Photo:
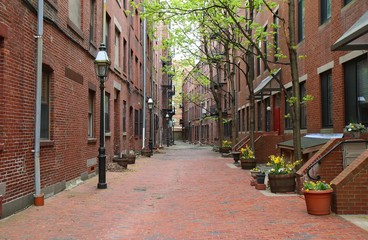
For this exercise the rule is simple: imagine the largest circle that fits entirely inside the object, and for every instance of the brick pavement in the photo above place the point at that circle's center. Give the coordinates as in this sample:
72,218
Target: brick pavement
187,193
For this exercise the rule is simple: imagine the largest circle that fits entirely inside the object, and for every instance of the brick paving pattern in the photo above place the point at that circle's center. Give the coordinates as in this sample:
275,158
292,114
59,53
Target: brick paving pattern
189,192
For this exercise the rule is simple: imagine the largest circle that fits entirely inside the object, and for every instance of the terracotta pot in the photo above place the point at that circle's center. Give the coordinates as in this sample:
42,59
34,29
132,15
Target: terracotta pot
248,163
282,183
318,202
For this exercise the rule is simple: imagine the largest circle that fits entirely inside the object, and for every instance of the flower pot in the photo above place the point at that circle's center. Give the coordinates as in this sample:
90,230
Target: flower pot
282,183
260,178
254,173
355,134
318,202
236,156
224,149
248,163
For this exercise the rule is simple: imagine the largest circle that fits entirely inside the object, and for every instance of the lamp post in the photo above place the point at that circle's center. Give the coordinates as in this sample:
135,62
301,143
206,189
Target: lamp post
150,108
168,129
102,64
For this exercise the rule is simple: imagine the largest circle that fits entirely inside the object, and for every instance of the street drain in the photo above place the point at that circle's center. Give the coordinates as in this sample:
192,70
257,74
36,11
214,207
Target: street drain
140,189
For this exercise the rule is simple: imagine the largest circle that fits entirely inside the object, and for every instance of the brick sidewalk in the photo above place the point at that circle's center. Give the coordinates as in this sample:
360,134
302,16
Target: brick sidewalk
187,193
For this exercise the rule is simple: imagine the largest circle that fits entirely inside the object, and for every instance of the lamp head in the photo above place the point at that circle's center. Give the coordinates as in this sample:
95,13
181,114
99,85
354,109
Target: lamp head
102,62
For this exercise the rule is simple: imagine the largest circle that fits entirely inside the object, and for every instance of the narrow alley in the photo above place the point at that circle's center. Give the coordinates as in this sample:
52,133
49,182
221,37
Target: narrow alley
185,192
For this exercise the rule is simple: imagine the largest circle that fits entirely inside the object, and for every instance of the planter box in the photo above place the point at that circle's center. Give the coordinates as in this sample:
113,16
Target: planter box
248,163
282,183
224,149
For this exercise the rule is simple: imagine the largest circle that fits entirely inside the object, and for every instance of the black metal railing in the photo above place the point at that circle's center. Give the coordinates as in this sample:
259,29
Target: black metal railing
328,152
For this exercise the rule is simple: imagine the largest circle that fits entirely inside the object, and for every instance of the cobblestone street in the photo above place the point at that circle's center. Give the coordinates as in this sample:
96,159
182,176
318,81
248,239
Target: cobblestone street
186,192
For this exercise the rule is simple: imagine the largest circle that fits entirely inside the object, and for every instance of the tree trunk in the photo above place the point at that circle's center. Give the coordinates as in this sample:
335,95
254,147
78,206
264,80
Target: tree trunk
295,81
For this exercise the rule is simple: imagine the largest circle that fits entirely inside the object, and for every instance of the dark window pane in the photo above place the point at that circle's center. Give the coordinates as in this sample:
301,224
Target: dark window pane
326,88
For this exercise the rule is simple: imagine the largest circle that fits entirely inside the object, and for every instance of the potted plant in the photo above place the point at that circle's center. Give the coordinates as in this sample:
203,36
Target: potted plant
225,147
236,156
253,173
247,159
282,174
355,129
317,197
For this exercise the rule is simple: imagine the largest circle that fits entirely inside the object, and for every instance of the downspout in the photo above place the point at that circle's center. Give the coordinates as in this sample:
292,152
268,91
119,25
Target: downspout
152,118
38,196
144,79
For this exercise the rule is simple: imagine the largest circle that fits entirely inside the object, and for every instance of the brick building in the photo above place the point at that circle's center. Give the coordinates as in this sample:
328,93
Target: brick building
70,92
336,79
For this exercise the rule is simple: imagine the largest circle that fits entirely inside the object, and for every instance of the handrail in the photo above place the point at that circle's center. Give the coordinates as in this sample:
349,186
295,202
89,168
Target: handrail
241,142
328,152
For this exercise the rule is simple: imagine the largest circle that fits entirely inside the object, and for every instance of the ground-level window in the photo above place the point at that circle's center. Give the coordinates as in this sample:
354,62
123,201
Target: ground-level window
356,90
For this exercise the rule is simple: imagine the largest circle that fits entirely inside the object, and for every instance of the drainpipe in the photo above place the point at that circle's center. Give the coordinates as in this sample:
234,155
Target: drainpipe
144,79
38,196
152,119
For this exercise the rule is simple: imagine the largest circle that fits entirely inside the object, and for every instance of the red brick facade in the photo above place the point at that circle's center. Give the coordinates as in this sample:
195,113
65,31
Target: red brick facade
68,59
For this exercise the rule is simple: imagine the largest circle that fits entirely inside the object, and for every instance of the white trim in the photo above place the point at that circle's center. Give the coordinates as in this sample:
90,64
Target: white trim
117,24
325,67
117,85
351,55
288,85
303,78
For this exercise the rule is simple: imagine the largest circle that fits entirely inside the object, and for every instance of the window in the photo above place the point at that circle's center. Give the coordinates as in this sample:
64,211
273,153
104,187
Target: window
288,120
125,4
259,116
303,108
276,35
125,56
107,112
356,90
239,121
346,2
265,43
124,116
45,106
326,97
243,120
136,123
325,10
91,106
259,59
301,23
74,10
92,20
140,122
116,49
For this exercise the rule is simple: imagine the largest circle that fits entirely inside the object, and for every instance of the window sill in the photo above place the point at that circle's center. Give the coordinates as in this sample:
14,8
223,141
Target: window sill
108,134
92,140
53,4
76,29
47,143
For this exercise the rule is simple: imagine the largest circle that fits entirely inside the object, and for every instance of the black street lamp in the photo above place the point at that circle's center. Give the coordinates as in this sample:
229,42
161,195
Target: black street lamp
102,64
168,130
150,108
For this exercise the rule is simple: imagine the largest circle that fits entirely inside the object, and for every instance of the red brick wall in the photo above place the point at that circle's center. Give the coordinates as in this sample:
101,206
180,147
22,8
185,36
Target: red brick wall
69,55
350,188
